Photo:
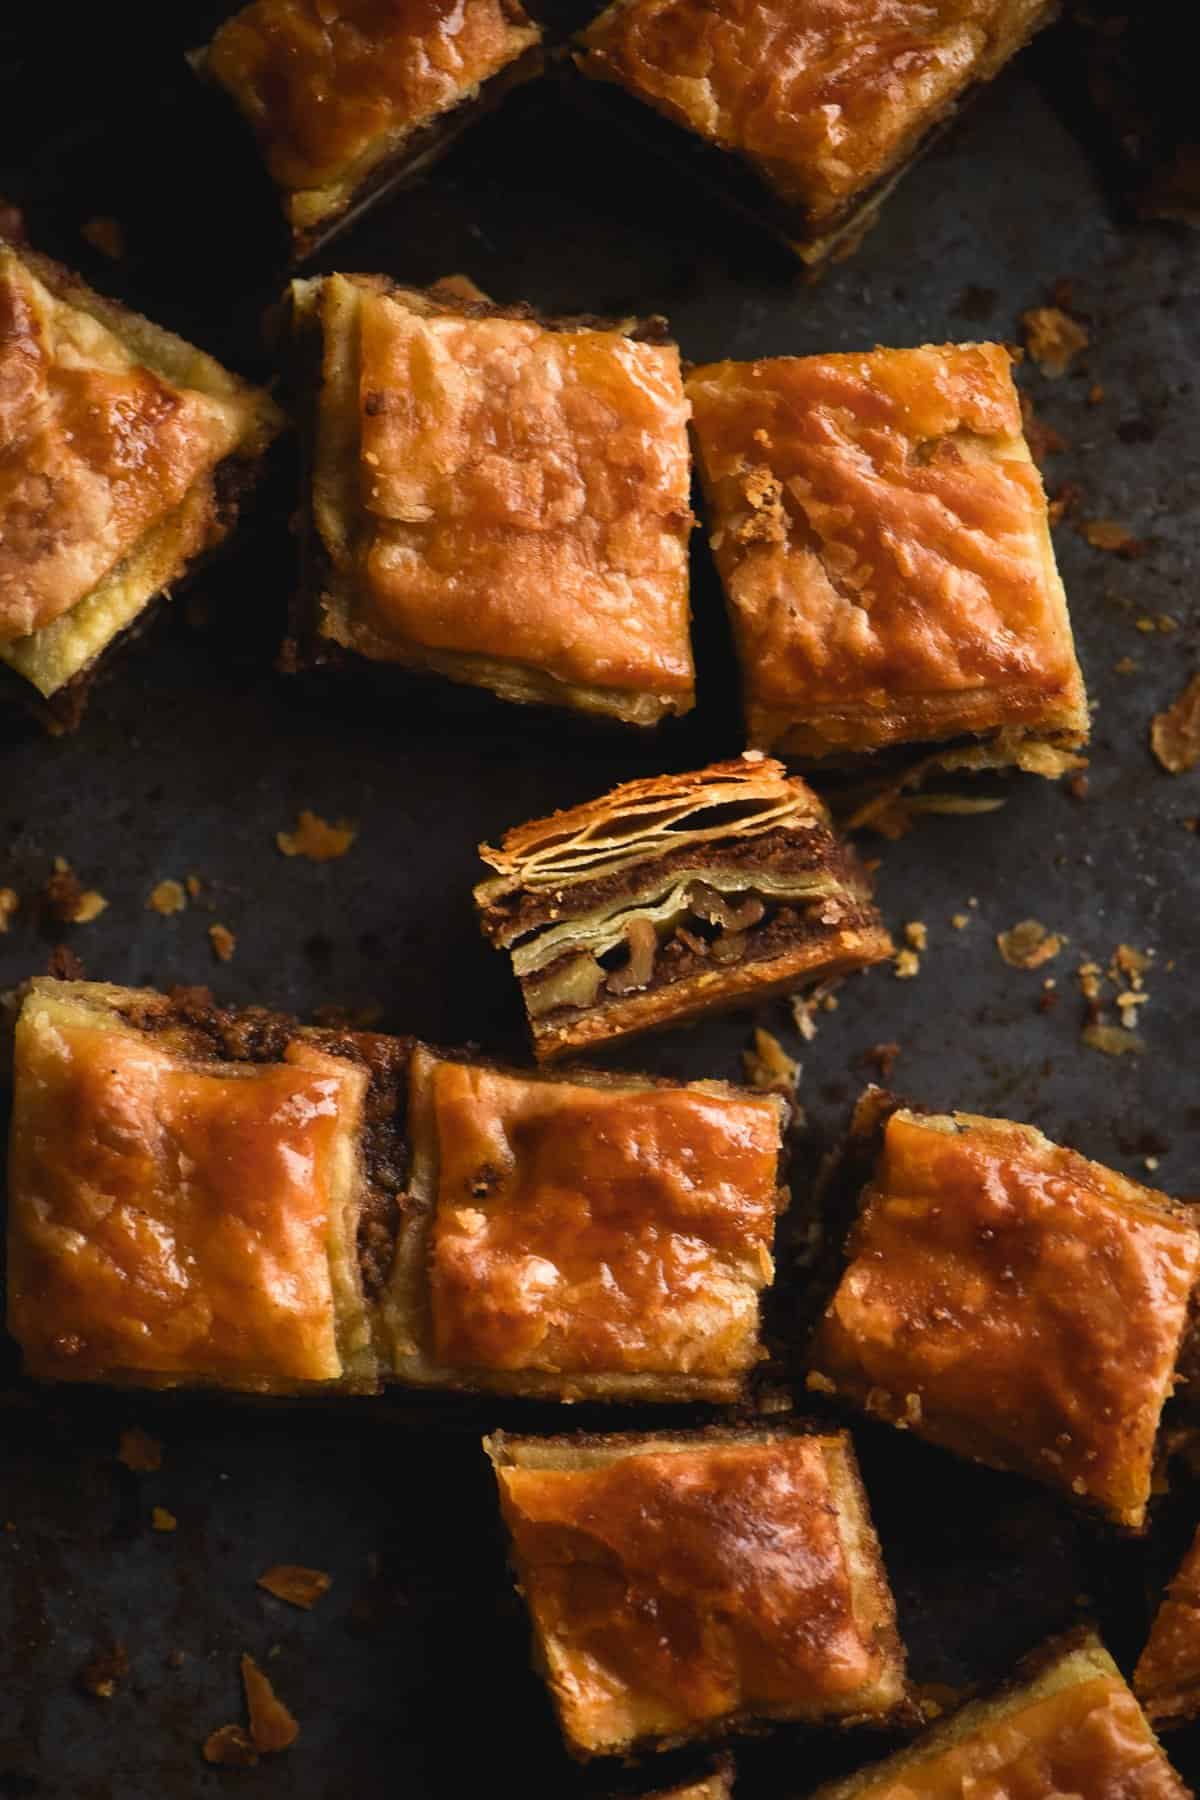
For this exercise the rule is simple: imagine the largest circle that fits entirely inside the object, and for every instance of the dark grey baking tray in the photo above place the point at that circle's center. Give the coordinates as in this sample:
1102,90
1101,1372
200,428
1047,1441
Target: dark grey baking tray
411,1677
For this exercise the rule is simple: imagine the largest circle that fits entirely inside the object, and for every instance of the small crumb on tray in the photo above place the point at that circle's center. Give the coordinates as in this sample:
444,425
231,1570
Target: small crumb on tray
167,898
162,1520
1028,944
67,900
1110,534
769,1067
230,1746
272,1726
1175,733
104,1671
139,1451
223,942
907,964
316,839
295,1584
1053,338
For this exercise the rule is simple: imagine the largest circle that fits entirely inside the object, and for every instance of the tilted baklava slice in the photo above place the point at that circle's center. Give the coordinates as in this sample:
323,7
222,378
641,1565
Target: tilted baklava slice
882,536
495,498
597,1236
346,100
123,451
672,897
681,1587
819,107
1013,1302
1167,1677
197,1197
1065,1728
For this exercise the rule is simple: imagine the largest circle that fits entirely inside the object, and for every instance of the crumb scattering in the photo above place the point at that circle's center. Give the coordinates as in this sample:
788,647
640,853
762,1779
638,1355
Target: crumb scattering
162,1520
1053,338
223,942
167,898
272,1726
295,1584
67,900
315,838
1175,733
1028,944
10,900
139,1451
768,1066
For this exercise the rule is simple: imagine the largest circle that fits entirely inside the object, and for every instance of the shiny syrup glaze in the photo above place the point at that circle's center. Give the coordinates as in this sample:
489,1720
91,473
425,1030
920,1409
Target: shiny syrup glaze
1167,1677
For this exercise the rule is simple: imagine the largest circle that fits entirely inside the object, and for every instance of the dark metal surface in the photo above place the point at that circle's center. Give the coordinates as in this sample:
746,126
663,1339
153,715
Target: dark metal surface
410,1677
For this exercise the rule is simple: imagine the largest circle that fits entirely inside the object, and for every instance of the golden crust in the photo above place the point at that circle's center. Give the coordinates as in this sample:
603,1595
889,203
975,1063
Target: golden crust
331,91
684,1586
1167,1677
1016,1303
517,512
824,98
882,536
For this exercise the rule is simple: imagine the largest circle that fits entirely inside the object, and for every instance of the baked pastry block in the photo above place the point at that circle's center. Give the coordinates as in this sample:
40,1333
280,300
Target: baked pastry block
494,498
346,103
586,1237
804,113
673,897
682,1587
123,455
881,532
197,1197
1013,1302
1065,1725
1167,1677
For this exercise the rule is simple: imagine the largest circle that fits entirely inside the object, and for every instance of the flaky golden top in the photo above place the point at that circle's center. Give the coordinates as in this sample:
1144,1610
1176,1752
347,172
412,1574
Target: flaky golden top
882,533
95,446
322,80
583,1228
1167,1677
526,495
823,96
1014,1301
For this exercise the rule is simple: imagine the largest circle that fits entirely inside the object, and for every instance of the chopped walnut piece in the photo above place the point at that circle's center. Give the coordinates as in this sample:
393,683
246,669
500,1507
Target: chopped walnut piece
223,942
315,838
908,964
162,1520
67,900
297,1585
1028,944
769,1067
104,1671
106,235
1053,338
231,1746
10,900
167,898
272,1726
139,1451
916,933
1175,733
1109,534
1112,1040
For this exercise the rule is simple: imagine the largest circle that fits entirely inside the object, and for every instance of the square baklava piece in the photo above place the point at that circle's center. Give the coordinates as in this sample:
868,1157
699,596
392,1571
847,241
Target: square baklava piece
673,897
347,100
882,536
1167,1677
598,1236
818,108
194,1195
1066,1725
495,498
1015,1303
681,1587
123,452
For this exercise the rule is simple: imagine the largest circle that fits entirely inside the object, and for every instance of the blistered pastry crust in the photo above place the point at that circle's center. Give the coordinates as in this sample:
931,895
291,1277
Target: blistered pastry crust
1167,1677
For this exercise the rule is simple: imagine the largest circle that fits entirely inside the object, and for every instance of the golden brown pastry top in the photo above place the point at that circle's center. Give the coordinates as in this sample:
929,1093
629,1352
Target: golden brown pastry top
172,1217
321,81
823,96
1167,1677
527,496
95,448
882,536
599,1229
1015,1302
673,1589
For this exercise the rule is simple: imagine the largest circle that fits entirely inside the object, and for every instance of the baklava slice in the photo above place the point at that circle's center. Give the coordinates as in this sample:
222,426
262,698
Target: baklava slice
495,498
682,1587
598,1236
1167,1677
818,108
196,1197
347,100
1015,1303
1065,1728
881,532
123,452
672,897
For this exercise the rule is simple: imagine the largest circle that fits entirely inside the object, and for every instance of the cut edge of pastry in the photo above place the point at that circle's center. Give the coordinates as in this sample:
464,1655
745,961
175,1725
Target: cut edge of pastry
1167,1685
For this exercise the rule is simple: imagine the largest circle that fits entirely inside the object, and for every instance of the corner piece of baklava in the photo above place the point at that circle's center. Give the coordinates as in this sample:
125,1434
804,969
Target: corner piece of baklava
193,1193
820,107
593,1236
1065,1725
1167,1677
682,1587
1013,1302
672,897
495,498
882,535
123,451
346,101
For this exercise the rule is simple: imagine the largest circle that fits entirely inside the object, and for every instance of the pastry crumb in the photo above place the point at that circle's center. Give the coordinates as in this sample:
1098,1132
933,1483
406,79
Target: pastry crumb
1112,1040
167,898
162,1520
1053,338
10,900
1110,534
1125,666
272,1726
193,884
223,942
882,1058
907,964
768,1066
67,900
295,1584
315,838
1028,944
960,921
104,1671
230,1746
1175,733
916,934
139,1451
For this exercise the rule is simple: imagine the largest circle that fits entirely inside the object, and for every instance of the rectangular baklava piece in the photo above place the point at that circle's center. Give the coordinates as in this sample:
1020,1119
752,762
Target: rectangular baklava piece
494,498
123,453
882,536
1015,1303
805,113
193,1194
1167,1677
347,100
1065,1727
681,1587
672,897
597,1236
